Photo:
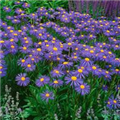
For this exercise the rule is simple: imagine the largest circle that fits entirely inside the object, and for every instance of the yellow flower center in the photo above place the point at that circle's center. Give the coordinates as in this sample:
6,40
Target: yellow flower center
91,51
11,40
22,60
65,63
11,30
116,70
55,49
29,65
108,102
15,34
26,41
56,71
39,43
47,45
107,31
1,67
94,68
56,82
87,59
82,67
82,86
110,52
47,95
38,49
69,43
116,46
75,57
1,41
104,57
12,46
114,101
80,70
107,72
24,48
74,78
102,50
40,34
23,78
91,35
76,48
42,79
32,59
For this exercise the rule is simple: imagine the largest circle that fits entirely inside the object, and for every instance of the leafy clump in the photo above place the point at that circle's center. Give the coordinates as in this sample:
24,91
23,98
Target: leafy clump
66,65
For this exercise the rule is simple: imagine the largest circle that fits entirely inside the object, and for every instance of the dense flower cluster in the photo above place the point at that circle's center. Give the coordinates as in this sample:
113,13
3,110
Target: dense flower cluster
72,56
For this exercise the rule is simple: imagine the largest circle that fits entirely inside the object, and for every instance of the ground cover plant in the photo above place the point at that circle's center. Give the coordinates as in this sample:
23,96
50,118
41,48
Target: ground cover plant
64,64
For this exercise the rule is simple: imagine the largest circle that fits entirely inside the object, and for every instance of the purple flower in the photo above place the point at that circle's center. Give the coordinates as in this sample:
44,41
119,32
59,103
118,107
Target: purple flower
7,9
42,80
15,21
72,79
19,11
56,83
105,87
81,72
2,69
22,61
29,67
86,62
65,64
47,95
113,103
22,79
26,5
17,3
82,88
118,87
56,72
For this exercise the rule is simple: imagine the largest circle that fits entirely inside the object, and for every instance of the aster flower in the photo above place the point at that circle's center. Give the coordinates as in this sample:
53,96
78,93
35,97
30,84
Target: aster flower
65,64
105,87
42,80
56,83
7,9
26,5
22,79
17,2
81,72
82,88
33,16
15,21
47,95
94,69
22,61
113,103
118,87
56,72
86,62
19,11
73,80
2,72
29,67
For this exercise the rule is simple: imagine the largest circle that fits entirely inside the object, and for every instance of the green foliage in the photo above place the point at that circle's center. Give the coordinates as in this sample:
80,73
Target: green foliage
35,4
67,102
